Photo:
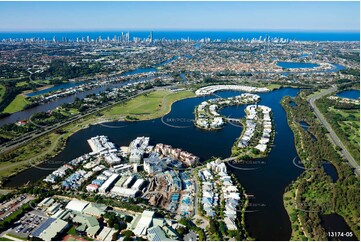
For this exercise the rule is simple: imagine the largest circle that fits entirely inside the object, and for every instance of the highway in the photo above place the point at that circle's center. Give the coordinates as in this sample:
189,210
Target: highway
335,139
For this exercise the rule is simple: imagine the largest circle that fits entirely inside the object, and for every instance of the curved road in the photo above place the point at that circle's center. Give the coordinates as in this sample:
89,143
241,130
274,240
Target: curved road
335,139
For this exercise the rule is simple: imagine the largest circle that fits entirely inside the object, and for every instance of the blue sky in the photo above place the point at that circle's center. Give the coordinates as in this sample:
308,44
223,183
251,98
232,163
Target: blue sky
98,16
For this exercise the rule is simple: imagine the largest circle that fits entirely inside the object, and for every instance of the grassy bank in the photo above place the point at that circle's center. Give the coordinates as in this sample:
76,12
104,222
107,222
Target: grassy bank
17,104
147,106
144,107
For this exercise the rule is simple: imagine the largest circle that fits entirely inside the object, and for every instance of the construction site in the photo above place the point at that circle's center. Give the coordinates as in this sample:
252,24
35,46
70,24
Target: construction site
165,191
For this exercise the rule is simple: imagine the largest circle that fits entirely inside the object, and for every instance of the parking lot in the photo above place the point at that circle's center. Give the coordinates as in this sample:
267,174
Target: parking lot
28,223
8,207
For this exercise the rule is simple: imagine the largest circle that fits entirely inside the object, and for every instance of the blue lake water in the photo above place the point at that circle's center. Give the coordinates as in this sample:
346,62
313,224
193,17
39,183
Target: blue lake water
290,65
293,104
337,67
352,94
267,181
331,171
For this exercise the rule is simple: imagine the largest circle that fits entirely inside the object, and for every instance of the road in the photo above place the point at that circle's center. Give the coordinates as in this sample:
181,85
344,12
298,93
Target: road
195,201
335,139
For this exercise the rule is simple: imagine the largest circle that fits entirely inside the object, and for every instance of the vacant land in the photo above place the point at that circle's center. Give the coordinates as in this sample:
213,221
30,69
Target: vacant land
17,104
147,106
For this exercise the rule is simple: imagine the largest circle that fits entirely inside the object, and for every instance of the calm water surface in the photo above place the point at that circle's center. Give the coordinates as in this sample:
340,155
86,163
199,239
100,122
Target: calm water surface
336,223
195,35
290,65
352,94
267,218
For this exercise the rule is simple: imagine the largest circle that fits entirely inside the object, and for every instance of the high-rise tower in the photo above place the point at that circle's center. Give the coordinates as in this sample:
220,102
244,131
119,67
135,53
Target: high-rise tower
151,36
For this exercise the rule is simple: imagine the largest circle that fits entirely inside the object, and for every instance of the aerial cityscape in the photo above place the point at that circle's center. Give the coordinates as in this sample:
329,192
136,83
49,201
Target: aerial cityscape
182,121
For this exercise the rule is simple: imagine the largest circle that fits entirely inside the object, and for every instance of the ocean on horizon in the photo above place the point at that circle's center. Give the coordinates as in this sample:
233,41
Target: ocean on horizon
194,35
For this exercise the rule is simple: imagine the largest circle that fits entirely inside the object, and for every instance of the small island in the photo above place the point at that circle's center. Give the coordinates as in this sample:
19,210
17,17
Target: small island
207,116
257,136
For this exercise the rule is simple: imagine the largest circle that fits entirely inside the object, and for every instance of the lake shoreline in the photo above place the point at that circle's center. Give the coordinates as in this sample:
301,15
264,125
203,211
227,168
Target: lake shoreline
84,125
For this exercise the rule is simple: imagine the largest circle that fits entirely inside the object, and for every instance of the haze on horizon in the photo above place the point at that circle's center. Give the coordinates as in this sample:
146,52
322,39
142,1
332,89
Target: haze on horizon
231,16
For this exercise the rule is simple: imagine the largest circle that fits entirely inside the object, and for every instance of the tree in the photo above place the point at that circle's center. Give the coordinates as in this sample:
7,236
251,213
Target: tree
182,230
128,219
120,226
222,227
201,235
213,226
128,233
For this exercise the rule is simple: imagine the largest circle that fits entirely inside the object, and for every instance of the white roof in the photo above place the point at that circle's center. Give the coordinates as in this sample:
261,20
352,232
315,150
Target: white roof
144,223
104,233
122,191
138,183
76,205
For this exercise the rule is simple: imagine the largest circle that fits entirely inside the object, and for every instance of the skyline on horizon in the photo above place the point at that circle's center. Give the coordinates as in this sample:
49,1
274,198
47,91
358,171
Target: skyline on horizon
179,16
271,31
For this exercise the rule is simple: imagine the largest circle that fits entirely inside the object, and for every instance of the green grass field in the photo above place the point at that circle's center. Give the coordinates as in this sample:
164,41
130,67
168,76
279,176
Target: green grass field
72,231
148,106
5,239
16,105
354,131
273,86
16,237
21,84
349,125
